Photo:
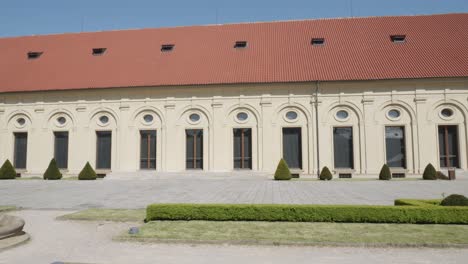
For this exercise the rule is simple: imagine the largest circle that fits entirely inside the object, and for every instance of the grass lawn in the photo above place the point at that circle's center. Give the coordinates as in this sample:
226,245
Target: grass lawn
29,178
72,178
357,179
7,208
286,233
117,215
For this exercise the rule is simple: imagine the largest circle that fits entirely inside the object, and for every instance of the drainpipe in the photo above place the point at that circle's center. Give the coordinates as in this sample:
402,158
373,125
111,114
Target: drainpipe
317,86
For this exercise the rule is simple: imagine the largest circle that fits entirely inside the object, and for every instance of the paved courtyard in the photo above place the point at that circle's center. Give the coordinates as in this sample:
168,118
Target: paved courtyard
40,194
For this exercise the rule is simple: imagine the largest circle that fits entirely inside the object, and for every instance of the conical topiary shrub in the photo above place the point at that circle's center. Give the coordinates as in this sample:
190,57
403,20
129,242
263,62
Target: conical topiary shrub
87,173
385,173
282,172
52,172
325,174
7,171
430,172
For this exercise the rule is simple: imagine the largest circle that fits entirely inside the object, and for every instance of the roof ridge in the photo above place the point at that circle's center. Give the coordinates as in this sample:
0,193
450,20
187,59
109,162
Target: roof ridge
230,24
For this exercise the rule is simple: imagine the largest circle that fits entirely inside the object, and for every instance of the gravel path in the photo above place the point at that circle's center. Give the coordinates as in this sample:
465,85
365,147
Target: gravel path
39,194
90,242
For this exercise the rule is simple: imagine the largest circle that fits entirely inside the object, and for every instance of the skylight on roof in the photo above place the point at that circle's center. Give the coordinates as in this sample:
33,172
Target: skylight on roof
317,41
398,38
32,55
99,51
240,44
167,47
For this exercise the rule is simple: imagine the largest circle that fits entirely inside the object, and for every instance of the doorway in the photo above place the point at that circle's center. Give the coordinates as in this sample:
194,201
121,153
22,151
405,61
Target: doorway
194,148
148,149
448,146
242,148
292,147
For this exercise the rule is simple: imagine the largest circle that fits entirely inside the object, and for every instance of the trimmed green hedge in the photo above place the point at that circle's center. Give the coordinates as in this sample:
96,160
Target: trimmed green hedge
417,202
309,213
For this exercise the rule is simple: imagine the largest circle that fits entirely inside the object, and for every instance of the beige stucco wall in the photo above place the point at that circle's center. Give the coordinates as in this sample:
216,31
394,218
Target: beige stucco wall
368,102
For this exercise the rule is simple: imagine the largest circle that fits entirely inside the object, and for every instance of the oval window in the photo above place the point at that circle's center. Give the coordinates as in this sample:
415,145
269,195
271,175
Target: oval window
104,119
291,115
342,114
21,121
61,120
194,117
148,118
394,113
446,112
242,116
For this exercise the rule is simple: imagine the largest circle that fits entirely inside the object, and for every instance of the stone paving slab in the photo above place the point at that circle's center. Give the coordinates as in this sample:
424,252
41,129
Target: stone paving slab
39,194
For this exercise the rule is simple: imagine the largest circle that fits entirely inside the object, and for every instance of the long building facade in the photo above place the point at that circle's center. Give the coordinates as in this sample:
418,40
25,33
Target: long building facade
394,99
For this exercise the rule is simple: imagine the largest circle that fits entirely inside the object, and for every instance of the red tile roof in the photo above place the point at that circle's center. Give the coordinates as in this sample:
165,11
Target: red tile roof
355,49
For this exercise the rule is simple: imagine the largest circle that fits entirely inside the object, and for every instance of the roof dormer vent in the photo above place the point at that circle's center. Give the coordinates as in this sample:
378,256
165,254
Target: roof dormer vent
167,47
99,51
398,38
32,55
240,45
317,42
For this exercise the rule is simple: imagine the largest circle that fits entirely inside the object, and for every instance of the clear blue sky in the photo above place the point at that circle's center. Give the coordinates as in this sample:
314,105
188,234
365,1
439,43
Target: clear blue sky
22,17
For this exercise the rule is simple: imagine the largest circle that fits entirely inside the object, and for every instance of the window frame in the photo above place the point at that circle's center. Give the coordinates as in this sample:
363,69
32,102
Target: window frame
56,133
353,158
15,152
405,154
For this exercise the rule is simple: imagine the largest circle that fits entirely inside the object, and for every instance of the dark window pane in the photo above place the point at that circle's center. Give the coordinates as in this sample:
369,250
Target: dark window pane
343,147
194,148
448,146
104,149
21,150
242,148
395,146
148,149
61,149
292,147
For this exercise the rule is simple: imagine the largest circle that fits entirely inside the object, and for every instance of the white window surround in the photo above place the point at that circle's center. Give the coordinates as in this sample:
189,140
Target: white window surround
392,117
447,113
291,116
191,118
244,117
342,119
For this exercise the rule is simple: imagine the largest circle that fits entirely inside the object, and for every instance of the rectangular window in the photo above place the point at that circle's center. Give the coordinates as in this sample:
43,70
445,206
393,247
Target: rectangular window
21,150
292,147
61,149
448,146
395,146
103,149
194,148
242,148
343,147
148,149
